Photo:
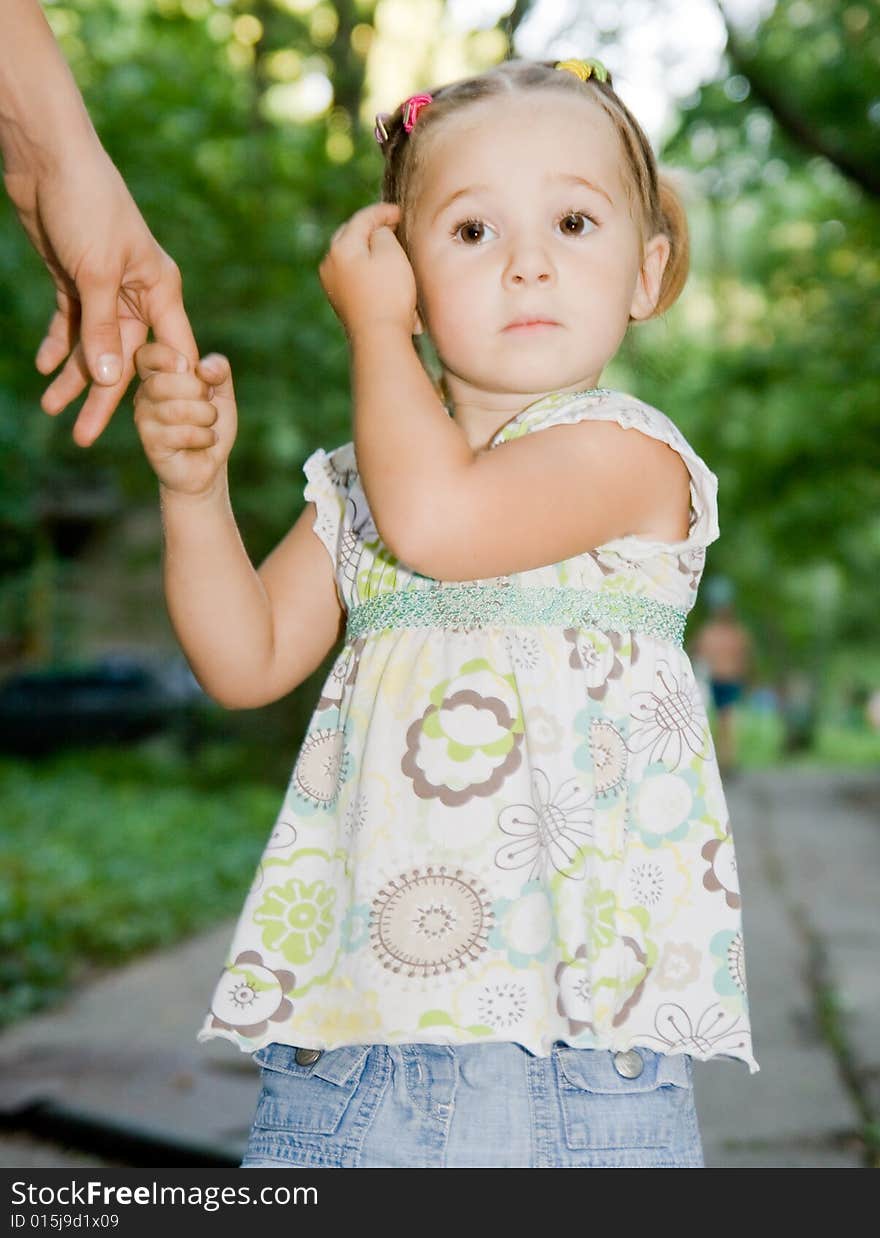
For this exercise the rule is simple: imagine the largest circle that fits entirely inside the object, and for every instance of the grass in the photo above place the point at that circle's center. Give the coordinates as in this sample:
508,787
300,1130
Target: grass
760,744
110,852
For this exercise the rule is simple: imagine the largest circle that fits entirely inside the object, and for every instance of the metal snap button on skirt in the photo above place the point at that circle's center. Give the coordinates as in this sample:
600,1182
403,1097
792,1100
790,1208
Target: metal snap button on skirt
306,1056
628,1064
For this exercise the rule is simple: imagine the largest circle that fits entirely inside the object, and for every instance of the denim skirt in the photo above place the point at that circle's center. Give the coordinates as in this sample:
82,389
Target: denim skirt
418,1106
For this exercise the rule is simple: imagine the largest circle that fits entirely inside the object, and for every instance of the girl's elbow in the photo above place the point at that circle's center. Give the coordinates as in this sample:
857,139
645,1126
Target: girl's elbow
231,700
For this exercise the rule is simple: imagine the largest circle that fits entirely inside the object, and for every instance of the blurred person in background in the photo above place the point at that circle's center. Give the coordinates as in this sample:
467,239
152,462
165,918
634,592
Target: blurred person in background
726,651
113,281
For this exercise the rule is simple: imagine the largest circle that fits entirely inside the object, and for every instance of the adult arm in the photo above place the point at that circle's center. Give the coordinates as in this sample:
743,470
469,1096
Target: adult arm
113,281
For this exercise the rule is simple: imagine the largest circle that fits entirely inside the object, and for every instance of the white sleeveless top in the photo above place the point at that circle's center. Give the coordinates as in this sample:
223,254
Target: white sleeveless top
505,821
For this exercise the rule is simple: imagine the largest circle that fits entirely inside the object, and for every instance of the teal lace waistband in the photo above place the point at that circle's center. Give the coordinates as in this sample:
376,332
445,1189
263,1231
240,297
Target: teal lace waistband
509,605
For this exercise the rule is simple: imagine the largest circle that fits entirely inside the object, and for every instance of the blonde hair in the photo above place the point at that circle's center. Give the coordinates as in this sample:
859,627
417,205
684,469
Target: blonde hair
654,202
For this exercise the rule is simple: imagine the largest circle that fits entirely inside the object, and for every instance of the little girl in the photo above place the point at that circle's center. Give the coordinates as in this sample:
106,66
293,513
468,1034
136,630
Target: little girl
498,916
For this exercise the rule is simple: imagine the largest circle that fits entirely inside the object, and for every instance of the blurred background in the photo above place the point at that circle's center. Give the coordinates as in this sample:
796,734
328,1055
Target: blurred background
244,131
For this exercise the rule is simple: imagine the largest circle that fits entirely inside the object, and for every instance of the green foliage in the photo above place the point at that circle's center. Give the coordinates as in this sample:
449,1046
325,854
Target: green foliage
105,857
760,743
771,361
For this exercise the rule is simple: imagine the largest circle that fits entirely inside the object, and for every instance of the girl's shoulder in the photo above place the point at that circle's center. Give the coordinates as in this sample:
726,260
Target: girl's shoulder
329,479
630,412
336,468
598,404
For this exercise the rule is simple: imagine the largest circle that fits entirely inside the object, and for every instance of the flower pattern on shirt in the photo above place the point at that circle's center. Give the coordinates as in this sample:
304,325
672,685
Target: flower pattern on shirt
502,831
548,832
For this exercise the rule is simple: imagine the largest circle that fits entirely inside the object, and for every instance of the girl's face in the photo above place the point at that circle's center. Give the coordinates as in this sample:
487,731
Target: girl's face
539,228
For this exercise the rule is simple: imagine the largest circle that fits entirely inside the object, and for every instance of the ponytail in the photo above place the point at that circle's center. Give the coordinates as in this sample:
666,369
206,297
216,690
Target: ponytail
673,223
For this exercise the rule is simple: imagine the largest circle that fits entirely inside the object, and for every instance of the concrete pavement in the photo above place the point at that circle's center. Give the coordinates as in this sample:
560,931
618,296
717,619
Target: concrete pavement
114,1074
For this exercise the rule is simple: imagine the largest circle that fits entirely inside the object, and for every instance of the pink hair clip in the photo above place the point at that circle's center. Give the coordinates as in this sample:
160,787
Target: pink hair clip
411,109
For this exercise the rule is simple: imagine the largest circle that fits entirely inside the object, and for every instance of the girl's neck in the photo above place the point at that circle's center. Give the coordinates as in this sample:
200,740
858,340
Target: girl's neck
482,414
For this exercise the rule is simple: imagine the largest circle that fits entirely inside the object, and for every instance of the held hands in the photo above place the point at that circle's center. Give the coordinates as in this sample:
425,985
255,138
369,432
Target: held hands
366,274
187,421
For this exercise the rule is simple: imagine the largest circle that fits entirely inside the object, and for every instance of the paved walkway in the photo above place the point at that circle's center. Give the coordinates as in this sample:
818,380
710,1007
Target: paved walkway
122,1052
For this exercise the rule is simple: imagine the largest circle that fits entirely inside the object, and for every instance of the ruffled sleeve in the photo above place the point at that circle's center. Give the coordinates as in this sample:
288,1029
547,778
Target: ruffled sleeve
329,476
632,413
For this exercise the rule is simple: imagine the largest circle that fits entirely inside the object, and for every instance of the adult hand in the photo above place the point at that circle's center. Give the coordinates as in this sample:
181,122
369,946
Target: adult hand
114,282
366,274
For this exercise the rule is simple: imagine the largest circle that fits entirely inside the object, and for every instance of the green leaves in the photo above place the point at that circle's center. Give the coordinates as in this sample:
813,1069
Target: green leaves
771,361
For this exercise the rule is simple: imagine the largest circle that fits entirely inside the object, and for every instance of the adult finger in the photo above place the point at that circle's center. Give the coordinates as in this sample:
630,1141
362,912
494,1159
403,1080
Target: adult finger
98,407
167,314
101,402
67,385
99,327
60,335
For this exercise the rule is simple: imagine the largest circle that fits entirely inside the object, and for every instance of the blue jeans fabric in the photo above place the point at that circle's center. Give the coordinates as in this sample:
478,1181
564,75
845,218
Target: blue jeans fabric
472,1106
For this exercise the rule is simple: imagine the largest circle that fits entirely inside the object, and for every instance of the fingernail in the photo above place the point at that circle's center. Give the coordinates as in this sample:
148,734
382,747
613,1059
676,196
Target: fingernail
181,365
109,368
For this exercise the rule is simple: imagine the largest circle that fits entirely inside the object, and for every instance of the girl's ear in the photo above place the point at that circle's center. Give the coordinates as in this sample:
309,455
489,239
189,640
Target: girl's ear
647,291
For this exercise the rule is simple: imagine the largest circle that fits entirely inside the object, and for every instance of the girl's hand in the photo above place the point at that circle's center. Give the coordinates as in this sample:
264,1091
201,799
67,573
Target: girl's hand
365,273
187,421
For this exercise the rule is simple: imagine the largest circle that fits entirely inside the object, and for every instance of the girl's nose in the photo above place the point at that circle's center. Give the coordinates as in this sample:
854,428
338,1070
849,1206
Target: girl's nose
528,263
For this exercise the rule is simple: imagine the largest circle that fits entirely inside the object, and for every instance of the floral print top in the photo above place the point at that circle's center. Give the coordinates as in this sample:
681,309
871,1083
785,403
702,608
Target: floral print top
505,832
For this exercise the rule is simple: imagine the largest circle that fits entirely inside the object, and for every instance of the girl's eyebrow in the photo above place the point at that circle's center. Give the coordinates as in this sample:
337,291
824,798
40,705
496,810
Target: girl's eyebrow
453,197
568,177
571,179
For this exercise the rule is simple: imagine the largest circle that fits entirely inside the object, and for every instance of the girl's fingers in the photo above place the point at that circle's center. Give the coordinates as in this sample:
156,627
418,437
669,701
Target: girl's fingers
154,357
383,236
184,412
162,386
182,438
379,210
366,220
216,371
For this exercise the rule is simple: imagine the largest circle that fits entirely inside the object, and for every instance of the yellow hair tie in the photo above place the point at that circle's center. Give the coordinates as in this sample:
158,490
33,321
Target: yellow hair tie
584,69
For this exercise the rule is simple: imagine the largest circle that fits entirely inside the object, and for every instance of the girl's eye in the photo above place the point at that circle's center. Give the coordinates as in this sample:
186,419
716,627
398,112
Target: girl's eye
579,219
469,226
